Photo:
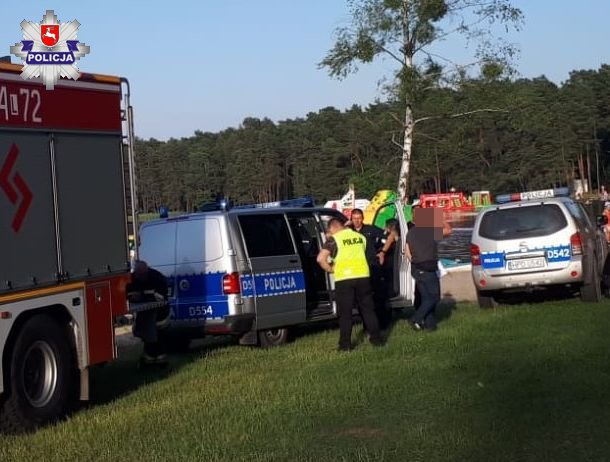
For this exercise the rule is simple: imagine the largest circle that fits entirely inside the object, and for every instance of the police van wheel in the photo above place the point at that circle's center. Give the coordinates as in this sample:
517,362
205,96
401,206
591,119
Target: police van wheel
273,337
41,375
486,300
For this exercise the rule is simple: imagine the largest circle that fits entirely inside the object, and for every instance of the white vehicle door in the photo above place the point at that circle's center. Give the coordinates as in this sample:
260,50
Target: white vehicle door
403,282
407,283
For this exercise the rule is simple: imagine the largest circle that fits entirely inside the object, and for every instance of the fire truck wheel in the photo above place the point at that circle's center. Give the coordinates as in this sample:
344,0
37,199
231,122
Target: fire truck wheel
273,337
41,373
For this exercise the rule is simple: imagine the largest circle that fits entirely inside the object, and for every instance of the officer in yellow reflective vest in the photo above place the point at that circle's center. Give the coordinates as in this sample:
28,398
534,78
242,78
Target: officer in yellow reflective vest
347,251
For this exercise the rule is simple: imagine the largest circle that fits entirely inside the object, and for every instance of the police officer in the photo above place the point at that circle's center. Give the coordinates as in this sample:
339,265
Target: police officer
149,286
375,258
372,233
347,249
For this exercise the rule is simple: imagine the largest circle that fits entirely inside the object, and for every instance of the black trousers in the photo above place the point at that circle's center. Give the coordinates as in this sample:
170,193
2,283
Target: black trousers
145,327
380,296
350,293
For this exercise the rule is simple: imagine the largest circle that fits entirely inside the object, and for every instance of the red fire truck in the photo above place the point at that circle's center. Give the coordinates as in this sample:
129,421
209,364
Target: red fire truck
67,203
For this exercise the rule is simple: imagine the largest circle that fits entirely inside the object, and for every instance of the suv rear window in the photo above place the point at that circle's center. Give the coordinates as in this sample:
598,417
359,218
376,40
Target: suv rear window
522,222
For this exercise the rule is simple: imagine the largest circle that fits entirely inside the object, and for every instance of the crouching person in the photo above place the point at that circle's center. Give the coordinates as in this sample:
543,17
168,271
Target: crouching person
149,286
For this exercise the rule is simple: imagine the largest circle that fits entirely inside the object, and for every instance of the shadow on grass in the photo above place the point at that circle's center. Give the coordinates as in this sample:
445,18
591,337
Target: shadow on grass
317,327
443,312
125,375
446,308
538,296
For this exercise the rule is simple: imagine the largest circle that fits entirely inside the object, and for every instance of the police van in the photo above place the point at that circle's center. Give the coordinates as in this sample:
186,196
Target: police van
250,272
536,239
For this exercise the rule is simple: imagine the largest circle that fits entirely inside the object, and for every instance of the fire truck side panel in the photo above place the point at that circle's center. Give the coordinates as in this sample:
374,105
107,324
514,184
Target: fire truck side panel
91,211
68,298
27,241
100,328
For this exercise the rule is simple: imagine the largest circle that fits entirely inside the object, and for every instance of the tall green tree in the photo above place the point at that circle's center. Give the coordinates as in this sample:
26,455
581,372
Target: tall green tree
547,135
405,31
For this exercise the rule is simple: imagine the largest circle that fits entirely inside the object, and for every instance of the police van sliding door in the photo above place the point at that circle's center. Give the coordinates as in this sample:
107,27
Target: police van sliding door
279,283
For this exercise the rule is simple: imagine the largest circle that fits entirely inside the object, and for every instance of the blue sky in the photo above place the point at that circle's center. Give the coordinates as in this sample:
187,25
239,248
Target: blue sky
208,64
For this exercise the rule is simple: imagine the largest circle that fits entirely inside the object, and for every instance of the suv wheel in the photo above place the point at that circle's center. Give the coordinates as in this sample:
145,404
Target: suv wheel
591,290
486,300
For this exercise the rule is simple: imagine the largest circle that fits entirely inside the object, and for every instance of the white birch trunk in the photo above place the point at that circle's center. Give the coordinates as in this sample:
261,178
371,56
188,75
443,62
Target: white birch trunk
407,146
409,123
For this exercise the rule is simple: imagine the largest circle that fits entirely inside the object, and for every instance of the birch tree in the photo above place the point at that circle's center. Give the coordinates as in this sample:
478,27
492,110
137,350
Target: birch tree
406,32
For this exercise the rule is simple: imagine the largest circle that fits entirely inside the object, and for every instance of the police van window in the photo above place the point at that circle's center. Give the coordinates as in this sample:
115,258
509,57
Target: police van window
266,235
199,241
157,243
522,222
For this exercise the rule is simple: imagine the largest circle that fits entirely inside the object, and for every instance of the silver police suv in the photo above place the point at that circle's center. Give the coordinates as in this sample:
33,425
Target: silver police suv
536,240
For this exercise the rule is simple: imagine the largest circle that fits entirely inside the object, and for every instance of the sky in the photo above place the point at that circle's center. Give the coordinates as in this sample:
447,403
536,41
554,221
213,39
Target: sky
208,64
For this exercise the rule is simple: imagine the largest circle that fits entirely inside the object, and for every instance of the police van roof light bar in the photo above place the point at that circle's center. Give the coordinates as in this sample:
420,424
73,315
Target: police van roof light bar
298,202
532,195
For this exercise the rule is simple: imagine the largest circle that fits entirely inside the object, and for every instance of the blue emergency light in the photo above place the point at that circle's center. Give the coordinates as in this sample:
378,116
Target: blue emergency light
306,201
532,195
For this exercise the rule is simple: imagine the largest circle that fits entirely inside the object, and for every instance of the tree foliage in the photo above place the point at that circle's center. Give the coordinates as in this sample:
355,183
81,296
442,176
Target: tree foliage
539,140
405,31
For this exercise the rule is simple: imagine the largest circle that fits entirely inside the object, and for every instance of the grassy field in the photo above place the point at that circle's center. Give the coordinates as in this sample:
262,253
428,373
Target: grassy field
519,383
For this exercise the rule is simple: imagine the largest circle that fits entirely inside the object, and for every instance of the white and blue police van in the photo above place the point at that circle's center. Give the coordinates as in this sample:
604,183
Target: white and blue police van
244,271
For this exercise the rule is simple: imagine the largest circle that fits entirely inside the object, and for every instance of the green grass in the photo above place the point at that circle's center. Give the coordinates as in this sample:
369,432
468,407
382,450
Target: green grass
519,383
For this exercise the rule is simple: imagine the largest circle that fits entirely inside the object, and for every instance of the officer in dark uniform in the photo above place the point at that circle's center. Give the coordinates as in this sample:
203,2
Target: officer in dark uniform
149,286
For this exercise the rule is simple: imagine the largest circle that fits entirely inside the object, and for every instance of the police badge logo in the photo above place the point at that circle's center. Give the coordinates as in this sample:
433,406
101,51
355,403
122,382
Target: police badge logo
50,49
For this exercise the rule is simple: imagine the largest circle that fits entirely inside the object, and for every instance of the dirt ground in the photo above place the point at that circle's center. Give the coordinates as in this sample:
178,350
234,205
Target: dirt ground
458,285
